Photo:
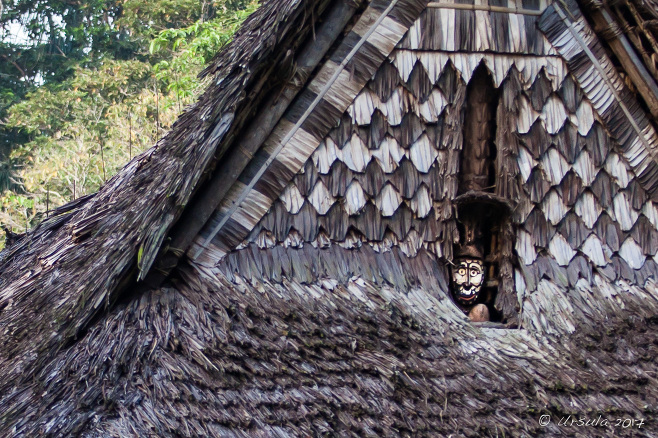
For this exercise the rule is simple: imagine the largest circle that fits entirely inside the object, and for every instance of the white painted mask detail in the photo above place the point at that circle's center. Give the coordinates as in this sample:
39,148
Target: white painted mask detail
467,277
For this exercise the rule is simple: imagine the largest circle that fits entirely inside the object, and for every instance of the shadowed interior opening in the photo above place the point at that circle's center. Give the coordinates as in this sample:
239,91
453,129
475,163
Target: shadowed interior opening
481,215
478,157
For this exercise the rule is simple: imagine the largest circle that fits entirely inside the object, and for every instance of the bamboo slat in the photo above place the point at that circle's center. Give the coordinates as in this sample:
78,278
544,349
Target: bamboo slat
554,165
588,209
593,249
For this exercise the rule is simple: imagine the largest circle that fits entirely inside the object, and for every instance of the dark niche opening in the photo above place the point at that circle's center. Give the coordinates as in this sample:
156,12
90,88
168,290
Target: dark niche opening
481,259
481,271
478,156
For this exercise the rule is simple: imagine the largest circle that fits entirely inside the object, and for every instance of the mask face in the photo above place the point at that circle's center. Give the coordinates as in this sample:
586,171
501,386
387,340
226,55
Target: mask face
467,277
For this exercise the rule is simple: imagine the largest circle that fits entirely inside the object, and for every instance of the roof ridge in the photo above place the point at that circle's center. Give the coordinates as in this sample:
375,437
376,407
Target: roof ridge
56,285
379,29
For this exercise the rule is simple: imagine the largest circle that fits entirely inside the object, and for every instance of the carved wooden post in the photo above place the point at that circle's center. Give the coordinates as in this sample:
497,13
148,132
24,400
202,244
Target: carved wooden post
486,180
479,126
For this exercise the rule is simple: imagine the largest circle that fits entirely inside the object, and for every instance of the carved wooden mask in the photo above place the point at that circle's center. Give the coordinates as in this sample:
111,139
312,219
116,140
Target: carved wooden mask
467,279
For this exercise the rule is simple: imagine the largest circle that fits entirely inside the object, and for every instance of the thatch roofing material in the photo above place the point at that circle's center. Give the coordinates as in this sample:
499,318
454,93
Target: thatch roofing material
63,275
441,27
566,28
308,327
222,358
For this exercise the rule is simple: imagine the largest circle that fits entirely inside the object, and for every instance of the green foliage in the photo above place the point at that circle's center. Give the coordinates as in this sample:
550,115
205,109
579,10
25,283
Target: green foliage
86,129
193,46
149,18
75,129
58,36
43,42
59,111
201,40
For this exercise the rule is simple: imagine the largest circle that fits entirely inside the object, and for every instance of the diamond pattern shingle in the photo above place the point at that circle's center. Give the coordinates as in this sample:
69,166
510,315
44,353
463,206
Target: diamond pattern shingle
393,162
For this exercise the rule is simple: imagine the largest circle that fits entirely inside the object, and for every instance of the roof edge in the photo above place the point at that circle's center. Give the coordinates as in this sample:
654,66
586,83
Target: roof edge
228,171
565,27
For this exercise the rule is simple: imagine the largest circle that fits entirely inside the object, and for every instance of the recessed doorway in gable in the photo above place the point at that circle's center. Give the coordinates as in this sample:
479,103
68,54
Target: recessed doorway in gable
482,263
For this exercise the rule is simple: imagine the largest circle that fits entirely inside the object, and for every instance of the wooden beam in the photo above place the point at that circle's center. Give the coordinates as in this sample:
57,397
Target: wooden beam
633,65
488,8
634,36
228,171
326,86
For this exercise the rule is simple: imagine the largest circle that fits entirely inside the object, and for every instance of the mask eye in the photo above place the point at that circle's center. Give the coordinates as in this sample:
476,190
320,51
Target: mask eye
475,271
461,271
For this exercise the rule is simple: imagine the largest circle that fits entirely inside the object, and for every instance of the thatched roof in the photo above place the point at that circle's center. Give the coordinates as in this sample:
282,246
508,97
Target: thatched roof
237,280
220,358
132,214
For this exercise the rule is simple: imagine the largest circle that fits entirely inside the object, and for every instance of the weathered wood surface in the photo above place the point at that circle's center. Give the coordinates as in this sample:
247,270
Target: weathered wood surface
329,93
337,303
634,20
566,28
633,66
477,171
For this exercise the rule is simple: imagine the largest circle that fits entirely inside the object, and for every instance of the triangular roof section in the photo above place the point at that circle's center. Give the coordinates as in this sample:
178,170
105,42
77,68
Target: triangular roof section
232,357
512,32
319,107
568,31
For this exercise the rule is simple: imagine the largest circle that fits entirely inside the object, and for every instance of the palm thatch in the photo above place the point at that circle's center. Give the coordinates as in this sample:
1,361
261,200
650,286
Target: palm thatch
312,296
131,215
